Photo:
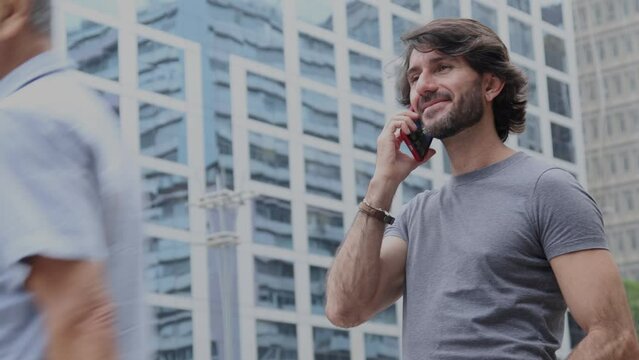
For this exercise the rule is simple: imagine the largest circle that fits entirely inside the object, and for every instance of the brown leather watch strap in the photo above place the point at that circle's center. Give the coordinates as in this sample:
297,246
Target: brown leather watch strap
379,214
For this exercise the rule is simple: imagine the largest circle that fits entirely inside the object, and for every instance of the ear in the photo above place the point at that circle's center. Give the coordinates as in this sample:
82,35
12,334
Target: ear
14,17
492,86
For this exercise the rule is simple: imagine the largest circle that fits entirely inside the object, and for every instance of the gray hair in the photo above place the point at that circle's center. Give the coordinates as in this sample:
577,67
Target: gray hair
40,16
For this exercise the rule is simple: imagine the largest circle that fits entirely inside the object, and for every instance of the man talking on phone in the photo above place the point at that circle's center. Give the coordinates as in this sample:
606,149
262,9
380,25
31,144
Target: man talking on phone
487,264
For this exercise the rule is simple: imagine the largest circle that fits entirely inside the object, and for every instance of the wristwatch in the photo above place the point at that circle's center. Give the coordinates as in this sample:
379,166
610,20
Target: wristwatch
376,213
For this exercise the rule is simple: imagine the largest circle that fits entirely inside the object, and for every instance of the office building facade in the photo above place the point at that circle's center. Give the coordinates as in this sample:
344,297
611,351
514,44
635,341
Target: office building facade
283,99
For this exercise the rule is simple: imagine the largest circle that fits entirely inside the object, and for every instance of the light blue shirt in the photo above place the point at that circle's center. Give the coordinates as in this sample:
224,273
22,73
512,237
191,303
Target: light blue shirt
67,191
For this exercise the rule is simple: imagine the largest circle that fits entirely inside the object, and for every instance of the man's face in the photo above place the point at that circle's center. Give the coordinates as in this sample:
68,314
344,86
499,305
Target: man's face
445,91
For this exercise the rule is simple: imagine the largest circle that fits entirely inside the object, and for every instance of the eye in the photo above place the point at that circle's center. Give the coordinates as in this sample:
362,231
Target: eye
412,79
444,67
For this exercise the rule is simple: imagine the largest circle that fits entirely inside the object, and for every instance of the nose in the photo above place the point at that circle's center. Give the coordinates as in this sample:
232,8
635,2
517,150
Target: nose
425,84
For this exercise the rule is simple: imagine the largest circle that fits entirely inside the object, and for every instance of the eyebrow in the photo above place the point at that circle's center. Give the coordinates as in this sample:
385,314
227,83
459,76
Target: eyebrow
434,60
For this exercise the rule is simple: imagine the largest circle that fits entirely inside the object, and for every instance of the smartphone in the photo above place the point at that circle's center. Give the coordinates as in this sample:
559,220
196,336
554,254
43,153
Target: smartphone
418,143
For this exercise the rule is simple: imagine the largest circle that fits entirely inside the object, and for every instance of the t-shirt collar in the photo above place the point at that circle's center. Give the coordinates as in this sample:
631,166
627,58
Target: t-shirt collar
37,66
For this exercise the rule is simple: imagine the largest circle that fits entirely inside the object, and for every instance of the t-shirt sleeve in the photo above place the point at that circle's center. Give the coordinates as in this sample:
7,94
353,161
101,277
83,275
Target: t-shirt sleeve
400,227
49,198
566,218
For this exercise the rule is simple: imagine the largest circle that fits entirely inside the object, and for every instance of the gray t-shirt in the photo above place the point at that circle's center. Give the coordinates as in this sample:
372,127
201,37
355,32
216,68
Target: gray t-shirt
67,191
478,279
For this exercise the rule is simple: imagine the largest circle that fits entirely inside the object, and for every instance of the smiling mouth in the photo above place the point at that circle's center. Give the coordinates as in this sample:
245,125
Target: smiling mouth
433,103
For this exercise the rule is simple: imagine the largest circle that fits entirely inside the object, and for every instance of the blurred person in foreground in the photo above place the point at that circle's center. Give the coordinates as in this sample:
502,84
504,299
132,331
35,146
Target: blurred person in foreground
488,263
70,284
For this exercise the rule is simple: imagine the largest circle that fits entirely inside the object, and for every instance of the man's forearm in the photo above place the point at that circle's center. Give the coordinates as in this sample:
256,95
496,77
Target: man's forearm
607,345
354,276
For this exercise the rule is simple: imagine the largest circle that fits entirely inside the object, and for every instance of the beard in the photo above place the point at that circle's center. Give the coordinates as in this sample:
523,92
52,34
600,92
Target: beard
467,112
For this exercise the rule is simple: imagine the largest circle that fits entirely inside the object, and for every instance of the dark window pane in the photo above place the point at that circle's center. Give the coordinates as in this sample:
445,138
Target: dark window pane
559,97
485,14
551,12
325,231
363,22
409,4
400,26
367,125
319,115
388,316
269,159
160,68
167,266
331,344
363,174
163,133
166,199
533,97
323,174
380,347
446,9
521,40
276,340
272,222
366,76
93,47
317,59
316,12
555,52
104,7
523,5
318,289
160,14
274,284
562,143
531,137
266,100
172,334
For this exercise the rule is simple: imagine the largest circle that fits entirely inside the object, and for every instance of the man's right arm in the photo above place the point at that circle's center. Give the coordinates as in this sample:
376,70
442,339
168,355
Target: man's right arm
368,272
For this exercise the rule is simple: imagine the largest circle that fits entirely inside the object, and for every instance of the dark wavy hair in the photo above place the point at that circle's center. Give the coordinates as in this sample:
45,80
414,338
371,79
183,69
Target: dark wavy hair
485,52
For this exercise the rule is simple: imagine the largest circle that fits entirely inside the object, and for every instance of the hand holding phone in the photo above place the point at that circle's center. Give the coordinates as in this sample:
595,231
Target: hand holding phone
418,143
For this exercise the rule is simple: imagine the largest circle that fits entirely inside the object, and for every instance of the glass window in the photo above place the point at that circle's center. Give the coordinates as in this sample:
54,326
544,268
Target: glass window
329,344
162,15
363,174
317,59
319,115
93,47
446,9
555,52
559,97
367,125
551,12
172,333
272,222
318,289
400,27
276,340
414,185
325,230
101,6
531,137
323,174
523,5
167,266
363,22
316,12
366,76
166,199
381,347
163,133
269,159
388,316
247,28
521,40
485,14
562,143
160,68
266,100
531,75
274,283
409,4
